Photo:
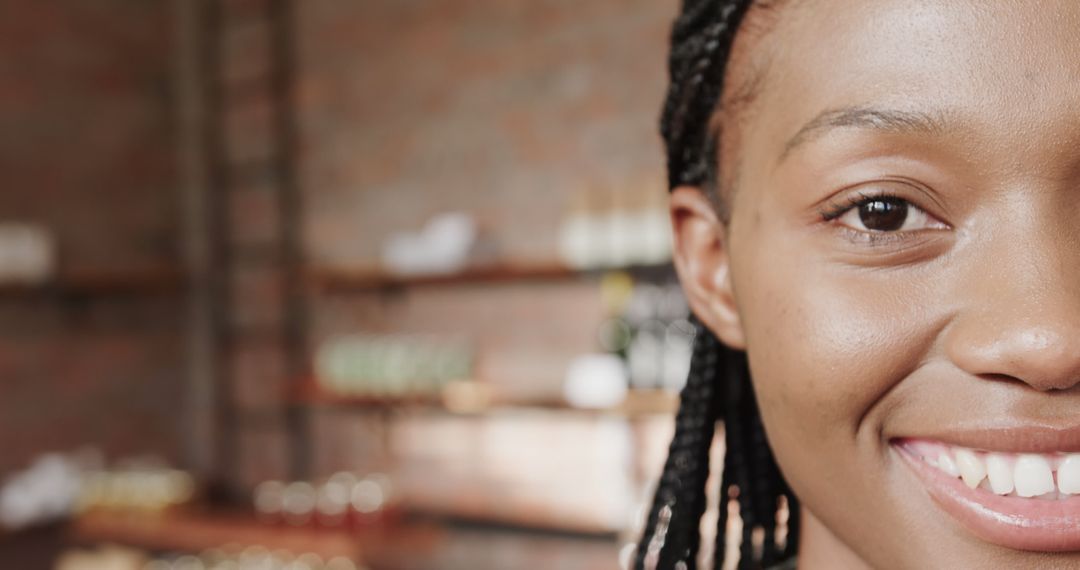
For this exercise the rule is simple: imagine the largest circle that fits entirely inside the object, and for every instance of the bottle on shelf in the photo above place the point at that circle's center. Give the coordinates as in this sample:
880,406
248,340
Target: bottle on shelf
615,226
391,366
648,328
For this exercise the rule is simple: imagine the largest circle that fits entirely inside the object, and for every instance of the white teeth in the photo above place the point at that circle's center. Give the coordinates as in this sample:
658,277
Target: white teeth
1033,476
1068,475
1046,476
946,464
972,470
1000,474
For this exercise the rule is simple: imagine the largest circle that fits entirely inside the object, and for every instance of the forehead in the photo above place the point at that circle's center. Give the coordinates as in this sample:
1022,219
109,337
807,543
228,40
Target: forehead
996,64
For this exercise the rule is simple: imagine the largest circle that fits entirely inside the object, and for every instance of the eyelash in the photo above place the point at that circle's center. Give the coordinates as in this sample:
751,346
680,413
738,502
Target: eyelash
834,210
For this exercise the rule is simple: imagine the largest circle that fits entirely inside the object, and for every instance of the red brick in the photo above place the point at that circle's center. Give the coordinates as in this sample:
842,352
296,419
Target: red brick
250,133
254,218
350,441
87,148
244,10
257,297
263,454
259,377
247,49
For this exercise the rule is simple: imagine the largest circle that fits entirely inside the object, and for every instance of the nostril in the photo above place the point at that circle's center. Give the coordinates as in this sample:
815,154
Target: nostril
1042,352
1001,378
1040,384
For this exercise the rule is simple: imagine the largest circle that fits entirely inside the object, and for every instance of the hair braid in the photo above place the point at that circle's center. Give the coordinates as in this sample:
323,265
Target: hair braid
671,532
727,484
764,492
791,545
701,40
718,386
737,421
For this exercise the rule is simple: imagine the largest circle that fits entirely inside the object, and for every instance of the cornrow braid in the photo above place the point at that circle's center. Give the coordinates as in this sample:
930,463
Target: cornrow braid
718,386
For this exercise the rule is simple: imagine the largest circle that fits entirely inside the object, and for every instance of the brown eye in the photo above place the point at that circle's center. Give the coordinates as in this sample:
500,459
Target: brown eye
883,214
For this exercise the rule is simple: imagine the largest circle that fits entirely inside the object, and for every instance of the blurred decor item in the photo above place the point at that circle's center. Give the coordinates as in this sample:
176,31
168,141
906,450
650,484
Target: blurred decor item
104,558
27,254
298,501
250,558
650,330
442,246
148,487
57,486
221,535
383,366
532,468
596,381
610,229
467,396
269,501
343,500
47,491
642,404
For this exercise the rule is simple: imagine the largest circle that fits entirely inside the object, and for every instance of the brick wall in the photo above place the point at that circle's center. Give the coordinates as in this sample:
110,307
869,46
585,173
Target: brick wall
507,110
107,374
86,127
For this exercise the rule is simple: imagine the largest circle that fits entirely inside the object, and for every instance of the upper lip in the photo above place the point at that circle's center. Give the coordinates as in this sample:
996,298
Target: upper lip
1032,437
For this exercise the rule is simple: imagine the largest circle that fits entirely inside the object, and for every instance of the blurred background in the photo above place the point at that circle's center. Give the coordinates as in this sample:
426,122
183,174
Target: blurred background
333,284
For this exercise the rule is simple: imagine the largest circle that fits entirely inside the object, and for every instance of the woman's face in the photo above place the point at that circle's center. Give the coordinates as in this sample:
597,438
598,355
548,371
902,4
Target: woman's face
904,251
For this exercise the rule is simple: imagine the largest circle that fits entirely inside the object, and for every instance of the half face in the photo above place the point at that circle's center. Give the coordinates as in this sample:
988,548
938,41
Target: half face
905,265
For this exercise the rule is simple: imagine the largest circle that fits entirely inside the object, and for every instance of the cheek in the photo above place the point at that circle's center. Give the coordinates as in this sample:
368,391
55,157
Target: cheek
826,344
826,347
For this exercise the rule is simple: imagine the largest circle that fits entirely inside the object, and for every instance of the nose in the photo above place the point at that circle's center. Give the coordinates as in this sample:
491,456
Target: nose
1041,355
1021,323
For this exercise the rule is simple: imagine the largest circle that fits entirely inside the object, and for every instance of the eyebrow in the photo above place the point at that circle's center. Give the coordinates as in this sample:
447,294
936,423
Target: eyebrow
885,120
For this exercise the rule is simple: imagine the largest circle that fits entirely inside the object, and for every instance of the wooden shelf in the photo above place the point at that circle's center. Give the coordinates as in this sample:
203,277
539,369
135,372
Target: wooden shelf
373,279
8,535
196,531
424,543
330,279
638,403
510,513
149,280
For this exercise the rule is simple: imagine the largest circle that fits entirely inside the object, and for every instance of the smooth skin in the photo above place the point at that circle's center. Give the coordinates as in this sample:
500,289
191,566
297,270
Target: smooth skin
969,315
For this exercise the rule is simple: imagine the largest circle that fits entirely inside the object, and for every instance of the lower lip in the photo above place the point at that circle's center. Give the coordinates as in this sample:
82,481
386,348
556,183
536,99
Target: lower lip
1012,522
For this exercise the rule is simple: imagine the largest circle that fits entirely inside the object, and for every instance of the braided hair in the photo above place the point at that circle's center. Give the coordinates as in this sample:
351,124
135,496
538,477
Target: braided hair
718,386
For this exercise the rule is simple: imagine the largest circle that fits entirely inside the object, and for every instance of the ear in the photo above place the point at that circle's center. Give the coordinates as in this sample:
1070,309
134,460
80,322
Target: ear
703,264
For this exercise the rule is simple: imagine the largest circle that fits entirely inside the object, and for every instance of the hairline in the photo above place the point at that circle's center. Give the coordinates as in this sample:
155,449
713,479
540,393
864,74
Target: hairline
735,101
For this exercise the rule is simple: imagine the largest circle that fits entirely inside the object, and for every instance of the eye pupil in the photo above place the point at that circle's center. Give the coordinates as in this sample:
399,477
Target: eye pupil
884,214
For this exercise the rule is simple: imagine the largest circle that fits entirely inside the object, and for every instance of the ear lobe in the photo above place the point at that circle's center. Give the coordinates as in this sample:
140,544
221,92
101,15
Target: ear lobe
702,261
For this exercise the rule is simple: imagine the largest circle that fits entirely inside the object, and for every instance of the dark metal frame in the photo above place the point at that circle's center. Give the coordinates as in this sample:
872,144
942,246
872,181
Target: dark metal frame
224,176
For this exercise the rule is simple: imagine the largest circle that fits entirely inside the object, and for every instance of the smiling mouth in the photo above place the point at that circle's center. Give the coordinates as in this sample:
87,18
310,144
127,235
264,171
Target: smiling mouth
1023,501
1048,476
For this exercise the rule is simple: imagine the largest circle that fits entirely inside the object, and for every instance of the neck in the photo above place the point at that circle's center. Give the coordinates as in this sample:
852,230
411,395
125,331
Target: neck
820,549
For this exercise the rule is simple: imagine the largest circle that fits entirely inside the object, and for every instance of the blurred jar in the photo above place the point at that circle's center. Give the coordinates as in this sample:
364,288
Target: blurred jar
298,503
370,497
270,501
334,496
